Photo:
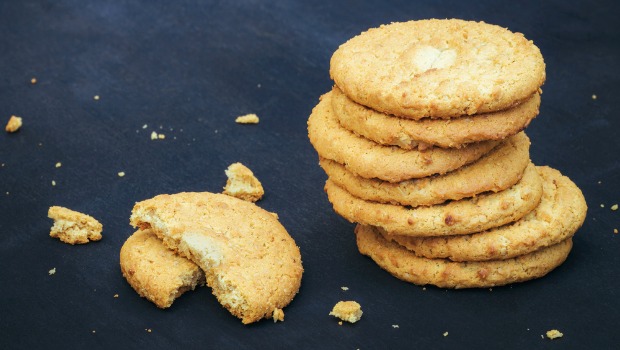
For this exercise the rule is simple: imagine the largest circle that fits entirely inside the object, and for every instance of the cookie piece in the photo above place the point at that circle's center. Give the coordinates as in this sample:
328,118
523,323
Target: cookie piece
14,124
350,311
495,171
438,68
460,217
371,160
251,263
559,215
247,119
156,272
422,134
73,227
242,183
405,265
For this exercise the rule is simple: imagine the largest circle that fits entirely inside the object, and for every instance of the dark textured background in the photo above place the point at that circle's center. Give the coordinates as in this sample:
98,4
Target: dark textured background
187,69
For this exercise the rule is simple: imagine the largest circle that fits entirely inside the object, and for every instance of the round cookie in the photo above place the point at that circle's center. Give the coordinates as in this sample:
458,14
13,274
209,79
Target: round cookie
156,272
371,160
438,68
251,262
444,273
422,134
460,217
559,215
495,171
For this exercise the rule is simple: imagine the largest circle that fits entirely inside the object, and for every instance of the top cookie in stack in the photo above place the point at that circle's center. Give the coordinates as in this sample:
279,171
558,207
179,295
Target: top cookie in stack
421,137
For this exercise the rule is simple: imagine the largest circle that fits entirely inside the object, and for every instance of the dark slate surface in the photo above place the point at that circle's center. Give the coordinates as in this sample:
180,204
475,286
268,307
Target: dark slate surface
187,69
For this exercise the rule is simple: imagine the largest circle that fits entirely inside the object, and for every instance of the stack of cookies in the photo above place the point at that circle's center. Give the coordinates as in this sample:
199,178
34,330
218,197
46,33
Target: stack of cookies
421,138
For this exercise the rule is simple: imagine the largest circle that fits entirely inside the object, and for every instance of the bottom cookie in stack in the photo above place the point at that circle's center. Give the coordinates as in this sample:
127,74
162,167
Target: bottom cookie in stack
526,249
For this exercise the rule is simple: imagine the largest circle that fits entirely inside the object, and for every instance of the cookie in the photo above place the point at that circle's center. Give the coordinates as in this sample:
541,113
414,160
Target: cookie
251,263
242,183
444,273
460,217
73,227
559,215
371,160
156,272
495,171
422,134
438,68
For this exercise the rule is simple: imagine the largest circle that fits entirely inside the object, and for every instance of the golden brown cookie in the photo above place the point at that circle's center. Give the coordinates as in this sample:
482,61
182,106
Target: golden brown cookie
460,217
444,273
74,227
438,68
371,160
495,171
559,215
156,272
422,134
251,262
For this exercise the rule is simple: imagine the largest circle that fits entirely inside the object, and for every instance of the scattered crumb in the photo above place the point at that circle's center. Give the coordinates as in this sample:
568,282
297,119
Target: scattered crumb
554,333
161,136
58,165
594,97
144,126
490,289
258,85
599,182
149,330
344,288
394,326
615,230
13,124
121,173
340,323
349,311
247,119
423,288
445,334
53,183
94,331
602,205
614,207
278,315
33,80
73,227
153,135
242,183
96,97
116,295
52,271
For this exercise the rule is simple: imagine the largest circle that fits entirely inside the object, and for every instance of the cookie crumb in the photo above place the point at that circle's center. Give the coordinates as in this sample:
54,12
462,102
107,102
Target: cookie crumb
14,124
96,97
615,230
116,295
602,205
33,80
344,288
161,136
53,183
58,165
145,126
247,119
242,183
554,333
154,136
121,173
278,315
395,326
614,207
349,311
73,227
52,271
445,334
594,97
94,331
149,330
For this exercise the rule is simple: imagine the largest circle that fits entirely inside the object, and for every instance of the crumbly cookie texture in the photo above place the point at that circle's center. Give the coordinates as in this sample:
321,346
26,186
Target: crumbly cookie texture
251,263
73,227
554,334
156,272
350,311
443,273
464,216
242,183
560,213
438,68
247,119
13,124
422,134
495,171
371,160
278,315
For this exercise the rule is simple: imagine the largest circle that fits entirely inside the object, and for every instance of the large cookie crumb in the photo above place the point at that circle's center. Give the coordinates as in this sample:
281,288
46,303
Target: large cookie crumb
349,311
247,119
242,183
554,333
14,124
73,227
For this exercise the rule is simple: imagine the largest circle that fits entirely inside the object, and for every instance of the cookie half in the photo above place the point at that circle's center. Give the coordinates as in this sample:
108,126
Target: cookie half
252,264
405,265
559,215
440,68
371,160
495,171
156,272
422,134
460,217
